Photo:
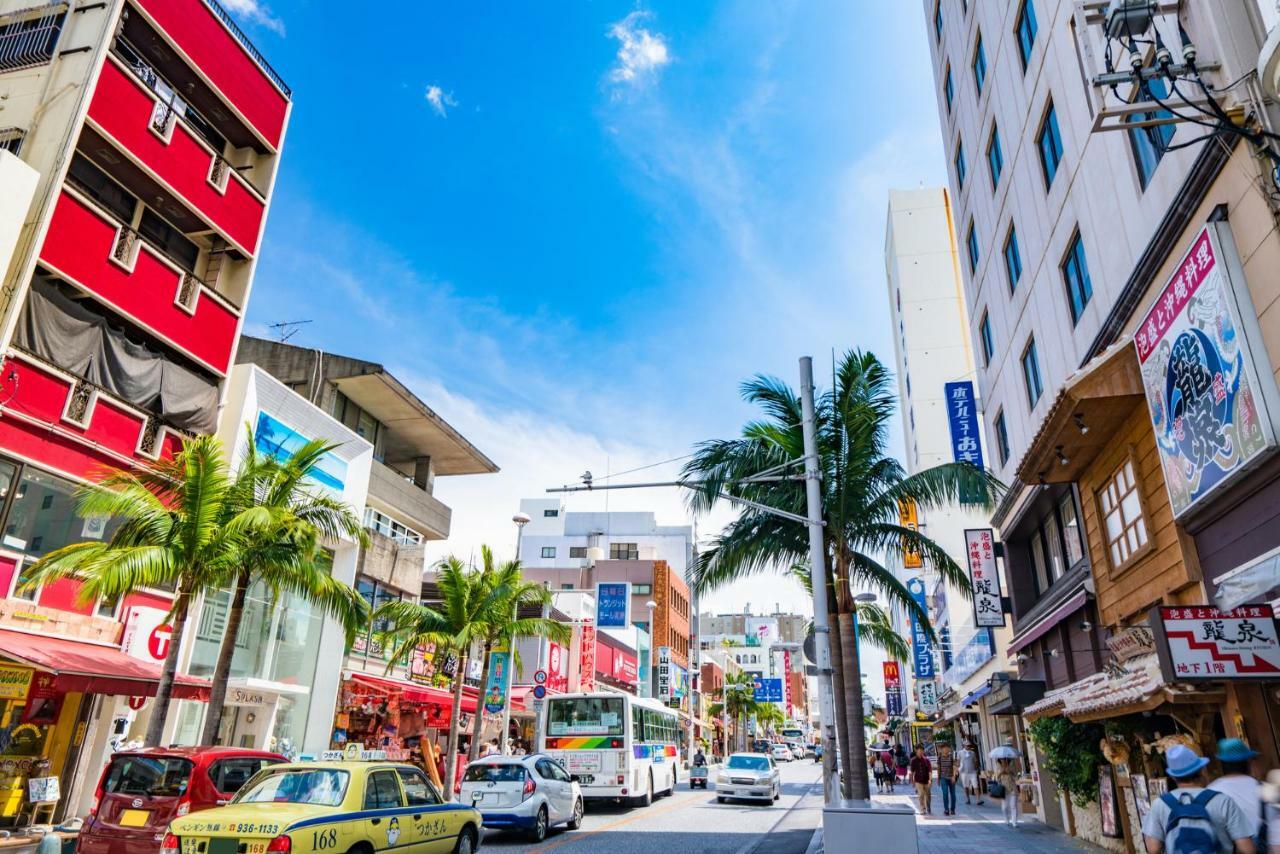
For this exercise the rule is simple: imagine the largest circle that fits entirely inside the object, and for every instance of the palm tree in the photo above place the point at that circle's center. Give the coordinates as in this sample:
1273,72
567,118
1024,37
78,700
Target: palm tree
738,700
283,553
862,491
469,609
518,592
769,717
175,534
873,623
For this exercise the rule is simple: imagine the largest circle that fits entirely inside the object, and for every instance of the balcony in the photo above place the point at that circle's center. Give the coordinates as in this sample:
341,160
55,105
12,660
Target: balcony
129,114
226,61
94,251
408,502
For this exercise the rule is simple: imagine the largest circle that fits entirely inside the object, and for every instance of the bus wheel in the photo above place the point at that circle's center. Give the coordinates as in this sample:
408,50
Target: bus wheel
647,798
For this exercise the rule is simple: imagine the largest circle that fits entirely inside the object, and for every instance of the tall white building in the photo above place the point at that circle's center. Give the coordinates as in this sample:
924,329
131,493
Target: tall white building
932,350
555,537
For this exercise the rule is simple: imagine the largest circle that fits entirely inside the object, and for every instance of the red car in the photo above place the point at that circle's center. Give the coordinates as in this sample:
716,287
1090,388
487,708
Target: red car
141,791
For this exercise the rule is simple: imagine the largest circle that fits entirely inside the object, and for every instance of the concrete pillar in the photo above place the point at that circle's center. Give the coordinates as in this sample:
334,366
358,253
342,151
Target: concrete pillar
424,474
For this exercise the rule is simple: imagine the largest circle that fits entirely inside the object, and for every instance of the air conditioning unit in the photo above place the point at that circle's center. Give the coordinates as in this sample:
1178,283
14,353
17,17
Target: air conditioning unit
1129,17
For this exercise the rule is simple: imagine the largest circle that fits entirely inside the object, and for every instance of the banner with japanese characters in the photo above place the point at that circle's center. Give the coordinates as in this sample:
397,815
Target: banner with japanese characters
1199,642
1197,346
909,518
980,546
966,428
921,646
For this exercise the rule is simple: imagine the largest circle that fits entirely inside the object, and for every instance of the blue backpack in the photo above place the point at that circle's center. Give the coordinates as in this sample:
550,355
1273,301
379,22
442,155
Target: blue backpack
1189,829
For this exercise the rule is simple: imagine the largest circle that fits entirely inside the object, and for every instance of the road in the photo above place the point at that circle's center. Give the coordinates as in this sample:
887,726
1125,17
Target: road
691,822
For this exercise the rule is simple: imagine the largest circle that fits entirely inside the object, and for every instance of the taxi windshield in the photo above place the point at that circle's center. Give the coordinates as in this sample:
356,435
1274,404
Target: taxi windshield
749,763
320,786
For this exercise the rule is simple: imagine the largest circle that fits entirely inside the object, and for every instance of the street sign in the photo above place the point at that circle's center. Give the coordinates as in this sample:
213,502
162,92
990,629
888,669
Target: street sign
538,704
613,604
539,691
540,677
768,691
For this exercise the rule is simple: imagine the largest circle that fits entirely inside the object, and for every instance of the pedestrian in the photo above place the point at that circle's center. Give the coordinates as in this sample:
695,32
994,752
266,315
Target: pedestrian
1238,783
1193,818
969,773
882,771
922,777
900,760
948,773
1006,774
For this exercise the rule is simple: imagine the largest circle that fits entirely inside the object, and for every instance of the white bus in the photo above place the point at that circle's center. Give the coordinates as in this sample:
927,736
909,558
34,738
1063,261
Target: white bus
618,746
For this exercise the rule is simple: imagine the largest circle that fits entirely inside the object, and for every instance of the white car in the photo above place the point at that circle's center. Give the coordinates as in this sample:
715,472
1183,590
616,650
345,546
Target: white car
781,753
751,776
530,793
797,749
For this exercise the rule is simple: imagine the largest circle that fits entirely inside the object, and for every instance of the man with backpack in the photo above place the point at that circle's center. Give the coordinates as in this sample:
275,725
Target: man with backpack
1194,819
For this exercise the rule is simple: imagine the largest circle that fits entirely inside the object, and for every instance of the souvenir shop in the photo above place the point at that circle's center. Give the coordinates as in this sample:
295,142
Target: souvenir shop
392,715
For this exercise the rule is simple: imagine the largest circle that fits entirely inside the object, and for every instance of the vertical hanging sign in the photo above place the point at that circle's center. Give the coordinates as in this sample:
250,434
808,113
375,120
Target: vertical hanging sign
980,546
921,647
908,518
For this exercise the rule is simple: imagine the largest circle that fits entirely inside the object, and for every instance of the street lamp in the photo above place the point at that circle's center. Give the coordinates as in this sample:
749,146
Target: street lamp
521,519
653,649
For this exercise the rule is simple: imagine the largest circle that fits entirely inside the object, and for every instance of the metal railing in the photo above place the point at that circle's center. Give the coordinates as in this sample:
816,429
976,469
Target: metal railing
30,41
226,18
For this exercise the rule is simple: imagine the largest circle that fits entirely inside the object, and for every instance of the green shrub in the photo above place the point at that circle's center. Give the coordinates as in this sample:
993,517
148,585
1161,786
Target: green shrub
1070,752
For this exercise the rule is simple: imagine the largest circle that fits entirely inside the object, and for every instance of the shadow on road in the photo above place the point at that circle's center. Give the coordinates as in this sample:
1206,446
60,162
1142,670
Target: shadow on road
668,842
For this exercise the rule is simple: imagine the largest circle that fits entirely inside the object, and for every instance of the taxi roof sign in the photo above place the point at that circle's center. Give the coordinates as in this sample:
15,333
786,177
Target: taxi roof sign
353,753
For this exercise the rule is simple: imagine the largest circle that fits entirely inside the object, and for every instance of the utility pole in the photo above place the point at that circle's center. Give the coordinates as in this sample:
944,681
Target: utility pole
818,572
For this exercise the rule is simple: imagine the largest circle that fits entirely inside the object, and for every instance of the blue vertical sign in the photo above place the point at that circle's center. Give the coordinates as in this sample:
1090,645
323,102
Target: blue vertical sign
921,647
962,414
495,690
613,605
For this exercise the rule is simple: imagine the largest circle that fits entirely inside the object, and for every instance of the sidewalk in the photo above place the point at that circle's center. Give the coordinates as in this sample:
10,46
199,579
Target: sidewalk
980,829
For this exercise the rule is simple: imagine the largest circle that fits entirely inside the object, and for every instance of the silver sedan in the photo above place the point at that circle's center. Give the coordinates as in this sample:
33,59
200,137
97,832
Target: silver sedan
749,776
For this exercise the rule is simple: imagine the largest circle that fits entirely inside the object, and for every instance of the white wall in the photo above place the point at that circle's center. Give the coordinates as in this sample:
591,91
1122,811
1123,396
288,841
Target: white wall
671,543
17,188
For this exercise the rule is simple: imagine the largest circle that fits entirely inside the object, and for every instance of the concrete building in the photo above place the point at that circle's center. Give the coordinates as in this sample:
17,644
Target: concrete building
1114,255
555,537
934,360
139,144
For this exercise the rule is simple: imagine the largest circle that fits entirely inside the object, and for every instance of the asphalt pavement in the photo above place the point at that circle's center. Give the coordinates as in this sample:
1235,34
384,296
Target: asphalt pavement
691,821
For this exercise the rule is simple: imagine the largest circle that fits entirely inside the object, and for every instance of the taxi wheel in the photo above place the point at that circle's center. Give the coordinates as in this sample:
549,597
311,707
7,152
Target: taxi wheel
466,843
576,821
539,831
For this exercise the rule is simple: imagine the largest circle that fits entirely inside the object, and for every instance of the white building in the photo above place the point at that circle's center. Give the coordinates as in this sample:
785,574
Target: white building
555,537
932,349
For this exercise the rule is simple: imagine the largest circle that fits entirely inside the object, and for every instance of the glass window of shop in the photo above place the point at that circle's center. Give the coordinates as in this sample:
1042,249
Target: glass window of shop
376,595
28,751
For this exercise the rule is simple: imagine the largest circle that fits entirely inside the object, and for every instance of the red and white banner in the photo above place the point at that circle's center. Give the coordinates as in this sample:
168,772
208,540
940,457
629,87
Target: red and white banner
786,680
587,657
1203,643
892,675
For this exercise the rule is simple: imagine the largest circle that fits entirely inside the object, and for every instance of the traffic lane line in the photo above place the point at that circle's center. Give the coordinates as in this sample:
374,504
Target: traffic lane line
672,806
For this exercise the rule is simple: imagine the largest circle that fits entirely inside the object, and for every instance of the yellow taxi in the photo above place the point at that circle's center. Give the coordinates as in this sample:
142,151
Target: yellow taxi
347,802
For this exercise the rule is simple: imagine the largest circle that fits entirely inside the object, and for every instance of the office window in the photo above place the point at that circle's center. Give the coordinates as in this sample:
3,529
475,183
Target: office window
641,589
624,551
1055,543
1002,437
550,514
1123,521
960,164
1012,259
949,88
1049,141
548,551
1150,143
988,343
995,157
937,20
971,243
979,65
1026,31
1075,274
577,551
566,586
1031,373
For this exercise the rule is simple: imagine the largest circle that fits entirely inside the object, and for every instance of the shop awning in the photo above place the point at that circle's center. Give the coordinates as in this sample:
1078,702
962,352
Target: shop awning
977,694
1136,687
94,669
1048,621
415,693
1249,583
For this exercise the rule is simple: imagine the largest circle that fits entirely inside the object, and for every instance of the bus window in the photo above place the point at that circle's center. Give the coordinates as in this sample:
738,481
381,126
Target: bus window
586,716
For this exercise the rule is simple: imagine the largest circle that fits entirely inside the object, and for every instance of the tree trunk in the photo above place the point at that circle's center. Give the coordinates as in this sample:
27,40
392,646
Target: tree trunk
842,719
455,721
856,756
164,691
226,653
477,723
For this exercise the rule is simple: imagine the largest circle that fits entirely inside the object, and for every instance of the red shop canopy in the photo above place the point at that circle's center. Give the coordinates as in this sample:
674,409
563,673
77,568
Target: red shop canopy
415,693
94,669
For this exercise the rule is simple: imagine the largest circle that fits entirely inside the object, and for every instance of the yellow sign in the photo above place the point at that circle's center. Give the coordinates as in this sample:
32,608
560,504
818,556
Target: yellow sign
907,518
15,682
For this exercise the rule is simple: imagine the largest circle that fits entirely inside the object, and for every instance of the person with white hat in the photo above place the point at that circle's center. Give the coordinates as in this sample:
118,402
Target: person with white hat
1193,818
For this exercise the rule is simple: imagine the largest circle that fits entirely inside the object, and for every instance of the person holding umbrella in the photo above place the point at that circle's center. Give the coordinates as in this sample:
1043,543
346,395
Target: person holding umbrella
1005,781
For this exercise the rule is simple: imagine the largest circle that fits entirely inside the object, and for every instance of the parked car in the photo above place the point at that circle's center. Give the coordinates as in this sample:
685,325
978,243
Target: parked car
358,802
141,791
781,753
531,793
797,749
752,776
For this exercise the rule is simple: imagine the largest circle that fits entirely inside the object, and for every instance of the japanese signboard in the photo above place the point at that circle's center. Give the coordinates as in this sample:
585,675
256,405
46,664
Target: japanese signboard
15,682
664,673
893,702
929,697
962,414
613,604
1131,642
892,675
786,680
587,657
495,690
921,646
980,546
768,690
557,669
908,518
1210,411
1199,642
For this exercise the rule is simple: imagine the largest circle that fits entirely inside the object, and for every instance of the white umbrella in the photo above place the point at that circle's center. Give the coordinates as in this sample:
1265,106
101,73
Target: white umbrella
1004,751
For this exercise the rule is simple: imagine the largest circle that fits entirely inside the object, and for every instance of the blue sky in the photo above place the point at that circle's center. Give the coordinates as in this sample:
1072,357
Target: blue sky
574,228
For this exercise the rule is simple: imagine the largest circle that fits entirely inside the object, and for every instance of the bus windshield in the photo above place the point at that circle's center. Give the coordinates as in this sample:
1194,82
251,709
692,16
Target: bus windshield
586,716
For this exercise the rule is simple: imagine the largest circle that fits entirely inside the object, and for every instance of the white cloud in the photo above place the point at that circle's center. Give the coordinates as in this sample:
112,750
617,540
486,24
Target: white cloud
254,12
440,100
640,52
